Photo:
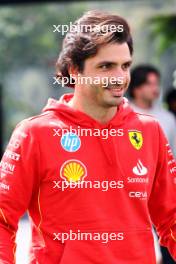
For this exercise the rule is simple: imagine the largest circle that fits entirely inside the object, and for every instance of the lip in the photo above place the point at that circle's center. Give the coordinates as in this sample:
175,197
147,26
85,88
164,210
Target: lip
116,91
115,88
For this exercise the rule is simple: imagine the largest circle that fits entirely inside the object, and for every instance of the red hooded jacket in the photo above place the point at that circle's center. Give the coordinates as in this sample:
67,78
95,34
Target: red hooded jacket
91,198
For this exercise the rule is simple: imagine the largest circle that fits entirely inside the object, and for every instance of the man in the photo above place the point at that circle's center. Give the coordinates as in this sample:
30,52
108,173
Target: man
91,197
144,91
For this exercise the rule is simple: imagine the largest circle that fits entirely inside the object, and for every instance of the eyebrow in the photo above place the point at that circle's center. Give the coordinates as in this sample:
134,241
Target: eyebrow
112,62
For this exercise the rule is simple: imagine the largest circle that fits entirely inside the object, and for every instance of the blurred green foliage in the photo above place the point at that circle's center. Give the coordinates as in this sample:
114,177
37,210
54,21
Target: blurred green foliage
27,41
163,31
26,33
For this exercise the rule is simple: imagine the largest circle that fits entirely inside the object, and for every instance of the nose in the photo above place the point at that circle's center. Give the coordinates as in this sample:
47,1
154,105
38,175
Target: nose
119,71
120,75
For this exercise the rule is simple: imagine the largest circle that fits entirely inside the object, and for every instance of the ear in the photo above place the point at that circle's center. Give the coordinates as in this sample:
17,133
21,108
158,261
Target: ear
73,71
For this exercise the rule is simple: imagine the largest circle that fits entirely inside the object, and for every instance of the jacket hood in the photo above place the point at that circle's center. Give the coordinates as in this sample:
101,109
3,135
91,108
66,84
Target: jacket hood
61,108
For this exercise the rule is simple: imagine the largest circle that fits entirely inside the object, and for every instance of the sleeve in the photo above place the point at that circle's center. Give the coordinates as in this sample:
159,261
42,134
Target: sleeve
162,200
18,180
173,137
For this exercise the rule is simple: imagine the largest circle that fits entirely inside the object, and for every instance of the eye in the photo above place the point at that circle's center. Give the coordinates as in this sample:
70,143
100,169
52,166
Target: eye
105,66
126,66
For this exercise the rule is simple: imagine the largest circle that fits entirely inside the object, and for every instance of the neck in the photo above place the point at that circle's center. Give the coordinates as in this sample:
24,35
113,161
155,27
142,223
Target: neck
143,104
99,113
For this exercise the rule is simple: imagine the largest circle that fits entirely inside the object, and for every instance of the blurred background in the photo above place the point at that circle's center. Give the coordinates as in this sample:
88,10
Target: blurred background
29,49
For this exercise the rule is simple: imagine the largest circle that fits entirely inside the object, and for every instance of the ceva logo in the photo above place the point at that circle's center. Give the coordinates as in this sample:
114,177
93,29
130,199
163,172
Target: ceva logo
139,169
140,195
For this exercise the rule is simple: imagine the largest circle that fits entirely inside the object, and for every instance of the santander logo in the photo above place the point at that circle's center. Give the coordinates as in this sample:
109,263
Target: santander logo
139,169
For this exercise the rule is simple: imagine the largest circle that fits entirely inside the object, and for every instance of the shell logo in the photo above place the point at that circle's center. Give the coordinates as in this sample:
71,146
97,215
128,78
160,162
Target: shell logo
73,171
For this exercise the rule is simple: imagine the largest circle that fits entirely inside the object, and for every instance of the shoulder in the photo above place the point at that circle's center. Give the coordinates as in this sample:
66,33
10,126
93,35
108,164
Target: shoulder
145,119
35,123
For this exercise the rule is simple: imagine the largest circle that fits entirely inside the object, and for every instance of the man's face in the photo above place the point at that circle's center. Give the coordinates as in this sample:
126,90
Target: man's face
149,91
112,63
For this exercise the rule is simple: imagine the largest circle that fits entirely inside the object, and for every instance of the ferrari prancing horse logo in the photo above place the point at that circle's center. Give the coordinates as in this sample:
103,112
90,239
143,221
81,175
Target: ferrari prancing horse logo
136,138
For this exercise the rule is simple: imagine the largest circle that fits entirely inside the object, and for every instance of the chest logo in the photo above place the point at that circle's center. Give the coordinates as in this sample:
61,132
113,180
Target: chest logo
73,171
136,138
70,142
139,169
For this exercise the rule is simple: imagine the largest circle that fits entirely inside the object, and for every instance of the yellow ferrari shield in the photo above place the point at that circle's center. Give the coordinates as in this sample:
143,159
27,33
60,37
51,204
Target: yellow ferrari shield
136,139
